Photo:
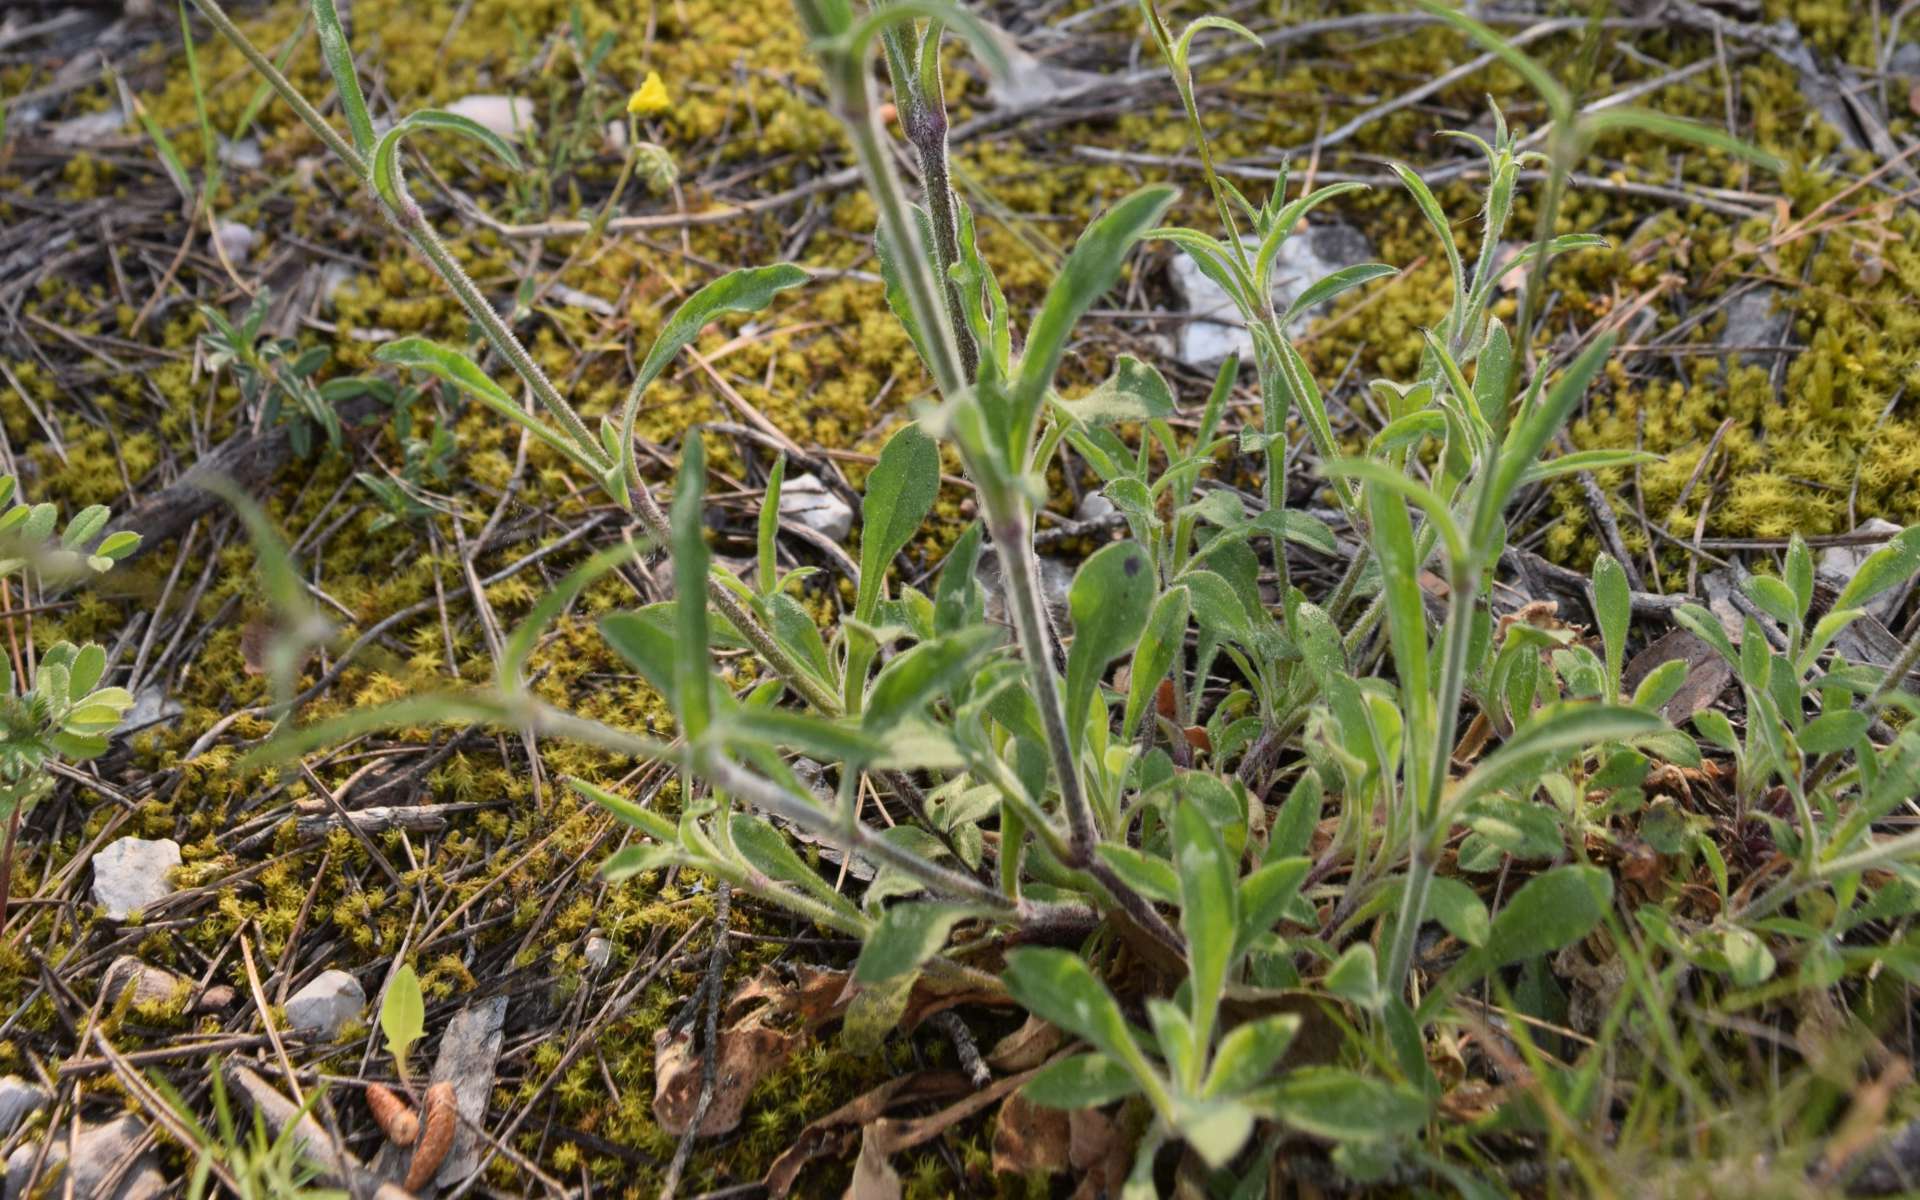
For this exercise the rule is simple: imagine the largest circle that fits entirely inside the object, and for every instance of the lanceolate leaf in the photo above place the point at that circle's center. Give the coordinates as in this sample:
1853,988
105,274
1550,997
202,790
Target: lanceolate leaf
1111,597
1091,269
692,666
1160,644
907,935
749,289
901,490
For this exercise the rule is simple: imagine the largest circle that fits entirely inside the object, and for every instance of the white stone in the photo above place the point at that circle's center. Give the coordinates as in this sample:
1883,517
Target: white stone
1755,320
1032,82
508,116
325,1006
18,1098
1093,507
234,240
87,130
1216,329
152,706
132,874
806,500
97,1154
150,984
599,952
1839,564
243,154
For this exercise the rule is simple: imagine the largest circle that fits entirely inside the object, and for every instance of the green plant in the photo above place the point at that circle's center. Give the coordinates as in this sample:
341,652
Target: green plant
246,1160
403,1016
277,375
52,706
1039,796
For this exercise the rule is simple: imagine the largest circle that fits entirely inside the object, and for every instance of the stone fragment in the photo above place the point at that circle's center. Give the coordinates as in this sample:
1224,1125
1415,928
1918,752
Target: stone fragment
508,116
326,1005
234,240
90,1164
599,951
1755,321
132,874
805,500
19,1099
1215,329
1839,564
149,984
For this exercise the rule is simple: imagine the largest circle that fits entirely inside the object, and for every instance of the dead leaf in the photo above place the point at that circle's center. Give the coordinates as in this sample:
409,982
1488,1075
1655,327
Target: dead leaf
1026,1047
1096,1150
1708,674
832,1135
1029,1137
767,1020
873,1176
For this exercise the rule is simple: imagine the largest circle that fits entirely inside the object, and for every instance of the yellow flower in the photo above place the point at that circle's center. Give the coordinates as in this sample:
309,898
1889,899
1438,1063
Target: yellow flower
650,98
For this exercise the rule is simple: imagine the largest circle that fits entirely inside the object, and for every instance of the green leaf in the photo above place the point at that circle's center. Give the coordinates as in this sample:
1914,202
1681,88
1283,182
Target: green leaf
1355,976
403,1015
692,665
1556,729
747,290
419,354
1891,565
1080,1081
1090,271
1343,1105
1550,911
387,178
1266,895
768,851
956,602
1148,874
906,936
1111,598
1134,392
1056,986
527,633
1613,606
1209,910
1249,1052
1536,426
1833,732
339,59
901,490
926,672
1327,287
1459,910
646,644
1160,644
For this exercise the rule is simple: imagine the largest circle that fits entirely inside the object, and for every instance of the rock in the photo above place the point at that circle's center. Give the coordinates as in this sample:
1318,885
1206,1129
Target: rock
1093,507
97,1154
151,706
88,130
1215,329
132,874
1031,81
149,984
1754,320
243,155
1056,579
18,1099
217,998
1839,564
233,240
325,1005
599,951
508,116
575,298
806,500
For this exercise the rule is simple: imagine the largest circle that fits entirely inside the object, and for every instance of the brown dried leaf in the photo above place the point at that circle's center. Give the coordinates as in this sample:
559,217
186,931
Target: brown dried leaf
1708,674
1028,1138
873,1176
1026,1047
749,1052
832,1134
